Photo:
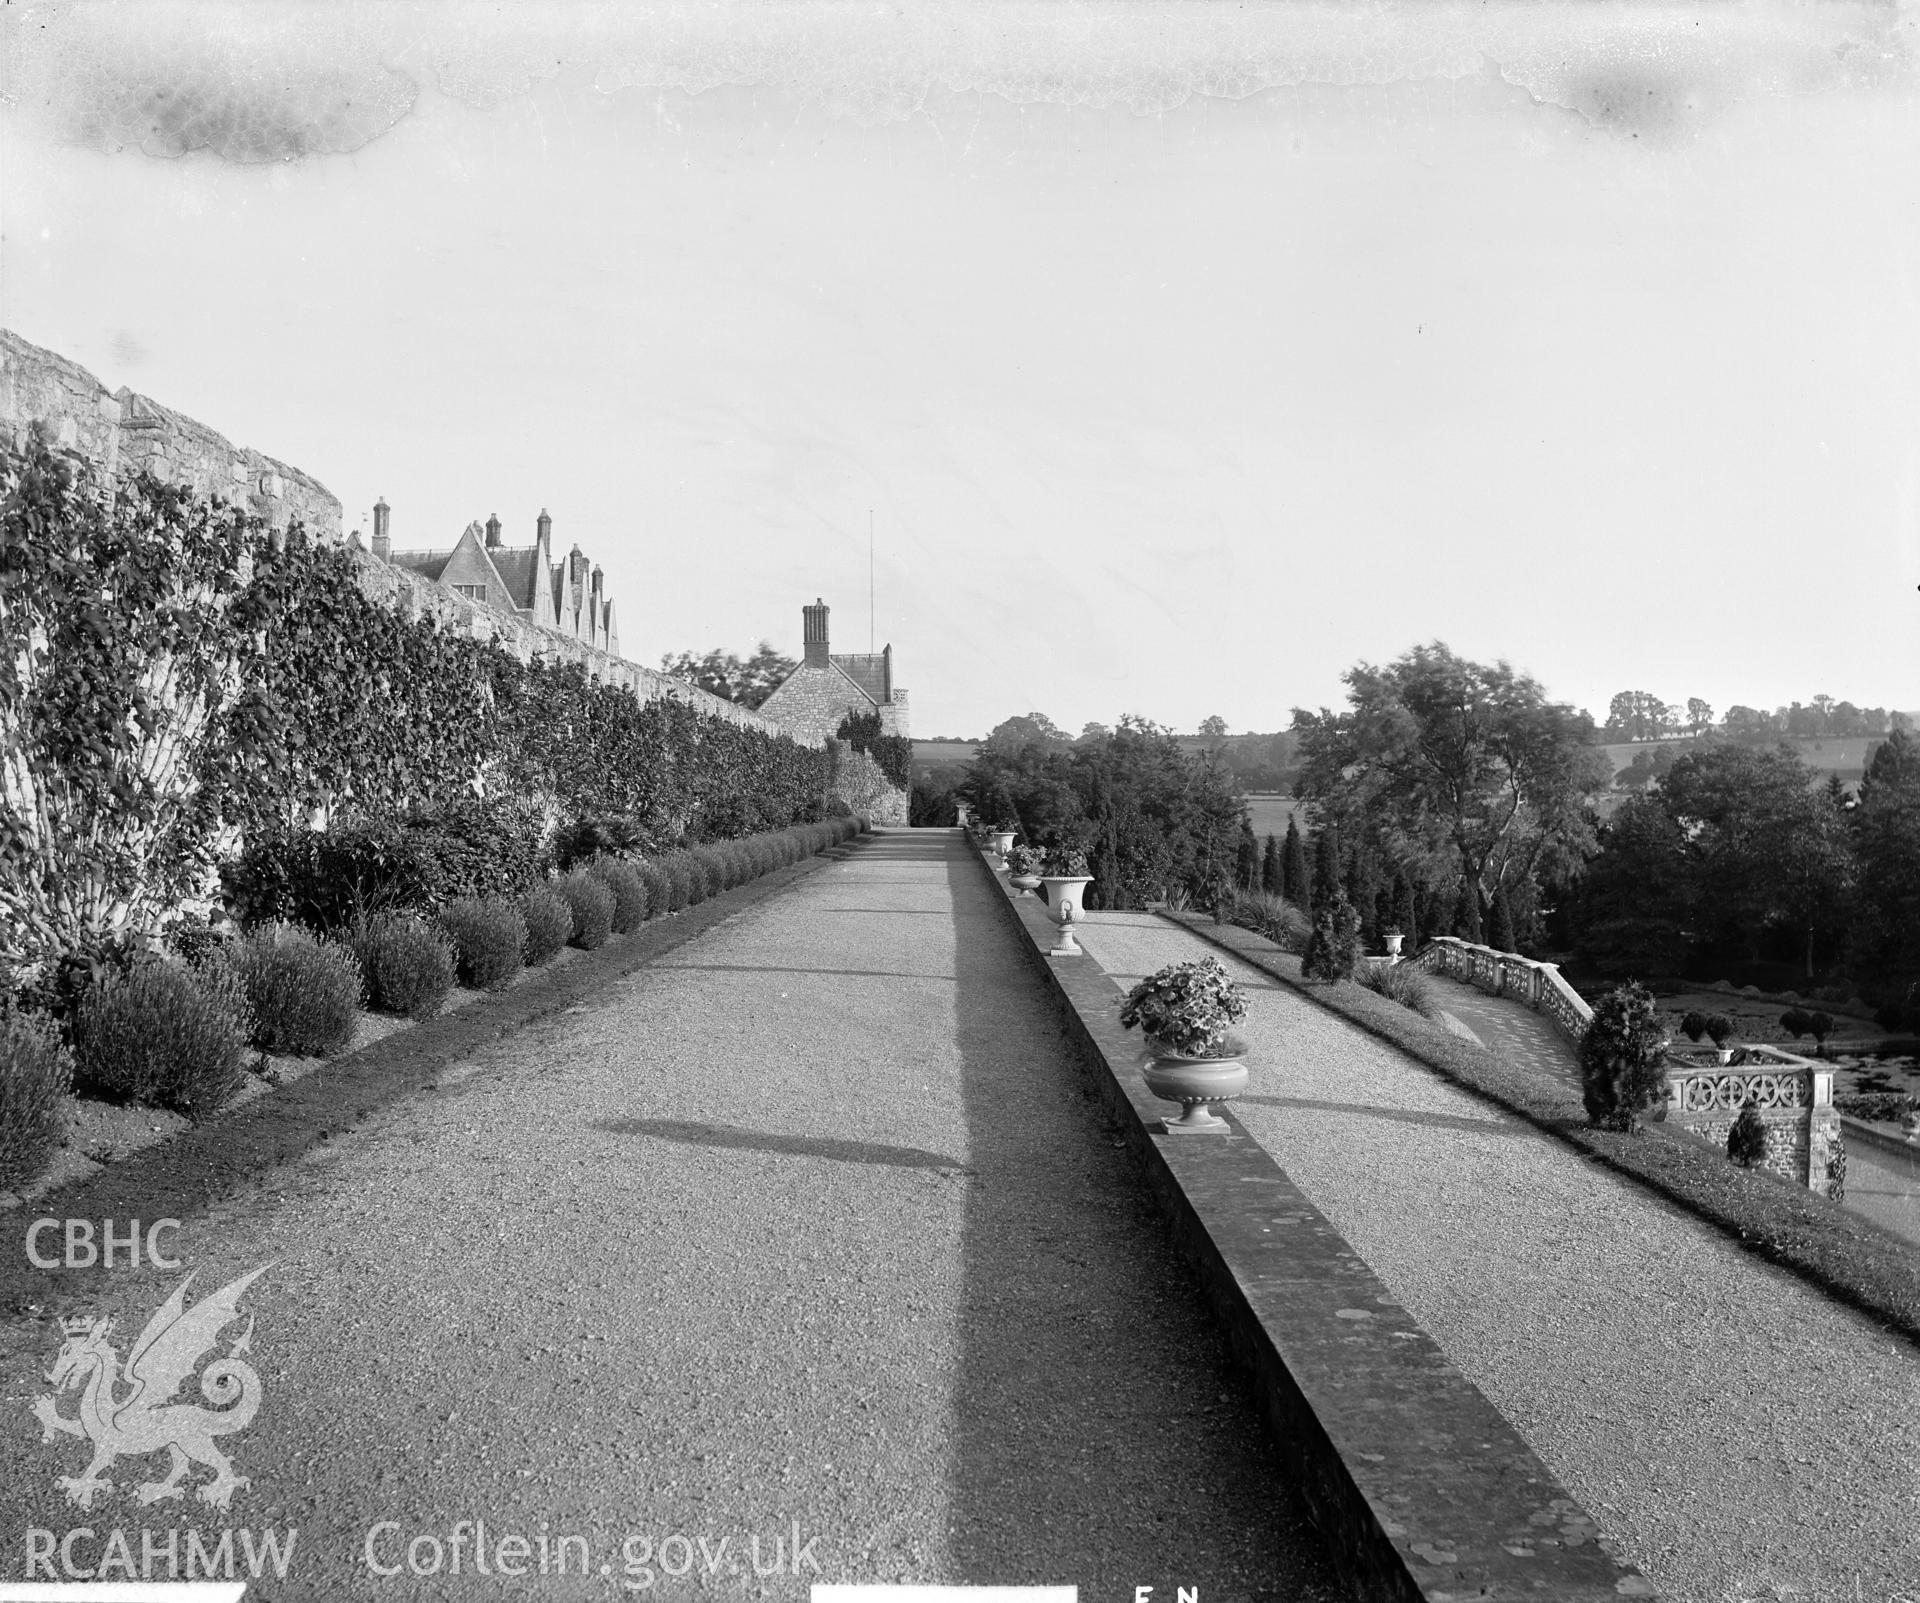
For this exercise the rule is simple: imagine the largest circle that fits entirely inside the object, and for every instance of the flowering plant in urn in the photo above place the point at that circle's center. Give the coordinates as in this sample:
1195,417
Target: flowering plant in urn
1186,1008
1064,864
1025,860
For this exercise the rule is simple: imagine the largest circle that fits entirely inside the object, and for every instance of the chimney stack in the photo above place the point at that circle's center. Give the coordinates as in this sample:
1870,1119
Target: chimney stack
813,633
543,528
382,537
493,532
596,581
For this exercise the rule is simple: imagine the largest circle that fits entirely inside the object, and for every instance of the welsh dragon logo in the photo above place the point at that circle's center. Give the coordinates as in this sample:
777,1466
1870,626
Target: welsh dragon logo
137,1422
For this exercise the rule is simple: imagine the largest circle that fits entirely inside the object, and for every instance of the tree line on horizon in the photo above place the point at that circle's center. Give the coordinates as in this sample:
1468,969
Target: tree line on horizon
1450,796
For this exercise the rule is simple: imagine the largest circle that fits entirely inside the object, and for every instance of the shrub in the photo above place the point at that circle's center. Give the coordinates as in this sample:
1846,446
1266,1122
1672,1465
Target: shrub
1274,917
1402,983
1694,1025
589,838
36,1073
303,994
679,875
1820,1026
154,1034
1795,1021
1891,1016
1621,1068
489,937
590,906
714,867
629,892
407,966
659,888
549,923
325,879
1747,1140
1720,1029
1334,946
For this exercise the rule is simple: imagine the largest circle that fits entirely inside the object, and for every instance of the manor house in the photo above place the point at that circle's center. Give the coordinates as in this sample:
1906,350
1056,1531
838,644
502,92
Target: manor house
825,688
522,581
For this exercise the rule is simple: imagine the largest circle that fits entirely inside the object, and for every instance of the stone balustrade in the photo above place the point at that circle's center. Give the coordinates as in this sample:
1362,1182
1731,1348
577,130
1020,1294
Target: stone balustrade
1792,1095
1498,973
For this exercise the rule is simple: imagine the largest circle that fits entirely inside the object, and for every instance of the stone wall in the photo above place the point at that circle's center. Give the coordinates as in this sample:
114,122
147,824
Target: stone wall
1792,1095
123,432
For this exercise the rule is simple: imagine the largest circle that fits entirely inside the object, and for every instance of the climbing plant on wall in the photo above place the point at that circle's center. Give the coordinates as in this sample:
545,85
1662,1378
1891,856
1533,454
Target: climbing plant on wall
174,682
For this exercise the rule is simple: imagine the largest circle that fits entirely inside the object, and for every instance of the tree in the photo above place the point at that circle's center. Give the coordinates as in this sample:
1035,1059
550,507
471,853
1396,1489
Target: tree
1297,881
1638,901
1092,732
1699,716
1500,935
1622,1056
1272,876
1246,859
1747,1139
1466,915
1009,737
1885,826
1404,913
1637,715
1214,728
747,683
1333,949
1446,757
1326,865
1769,847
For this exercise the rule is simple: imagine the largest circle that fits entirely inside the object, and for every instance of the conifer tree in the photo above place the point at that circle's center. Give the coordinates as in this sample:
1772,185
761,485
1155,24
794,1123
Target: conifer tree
1326,866
1272,871
1297,882
1246,857
1404,913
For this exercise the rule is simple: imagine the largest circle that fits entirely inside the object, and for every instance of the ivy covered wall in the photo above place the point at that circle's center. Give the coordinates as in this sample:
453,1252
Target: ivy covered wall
177,676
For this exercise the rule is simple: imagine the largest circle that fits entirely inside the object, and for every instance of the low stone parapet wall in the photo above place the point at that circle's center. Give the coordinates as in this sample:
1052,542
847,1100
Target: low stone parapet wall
1523,979
1423,1489
1792,1095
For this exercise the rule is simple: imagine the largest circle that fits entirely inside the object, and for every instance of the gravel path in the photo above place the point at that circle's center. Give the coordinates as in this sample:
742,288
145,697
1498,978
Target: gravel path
1885,1187
810,1227
1736,1434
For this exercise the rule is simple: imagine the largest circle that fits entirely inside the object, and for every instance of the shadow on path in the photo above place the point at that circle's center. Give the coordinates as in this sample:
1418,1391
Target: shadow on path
734,1138
1103,1436
1438,1121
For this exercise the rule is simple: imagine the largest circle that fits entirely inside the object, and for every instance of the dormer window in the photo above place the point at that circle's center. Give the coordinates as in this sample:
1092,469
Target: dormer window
473,592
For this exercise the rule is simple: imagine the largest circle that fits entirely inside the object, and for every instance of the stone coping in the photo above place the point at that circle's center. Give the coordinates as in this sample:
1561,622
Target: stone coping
1423,1488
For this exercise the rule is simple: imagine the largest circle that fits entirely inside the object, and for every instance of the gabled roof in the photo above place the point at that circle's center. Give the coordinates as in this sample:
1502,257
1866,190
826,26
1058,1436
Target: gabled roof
518,571
868,670
428,564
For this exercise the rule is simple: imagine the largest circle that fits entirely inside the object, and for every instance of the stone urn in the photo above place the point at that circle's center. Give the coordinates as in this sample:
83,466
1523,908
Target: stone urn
963,812
1199,1085
1000,842
1066,895
1027,883
1394,942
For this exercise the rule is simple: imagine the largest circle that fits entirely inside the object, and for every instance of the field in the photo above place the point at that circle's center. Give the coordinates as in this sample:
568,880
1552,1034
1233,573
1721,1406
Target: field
1845,755
1270,814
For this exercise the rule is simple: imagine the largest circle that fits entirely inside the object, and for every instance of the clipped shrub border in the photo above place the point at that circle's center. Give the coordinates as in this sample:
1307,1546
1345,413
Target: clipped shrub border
1849,1258
199,1164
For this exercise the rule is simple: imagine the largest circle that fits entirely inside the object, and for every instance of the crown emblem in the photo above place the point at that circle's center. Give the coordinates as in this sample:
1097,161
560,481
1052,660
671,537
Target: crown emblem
77,1325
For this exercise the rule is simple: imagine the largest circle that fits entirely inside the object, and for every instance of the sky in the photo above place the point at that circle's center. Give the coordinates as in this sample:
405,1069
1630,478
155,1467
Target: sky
1179,357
